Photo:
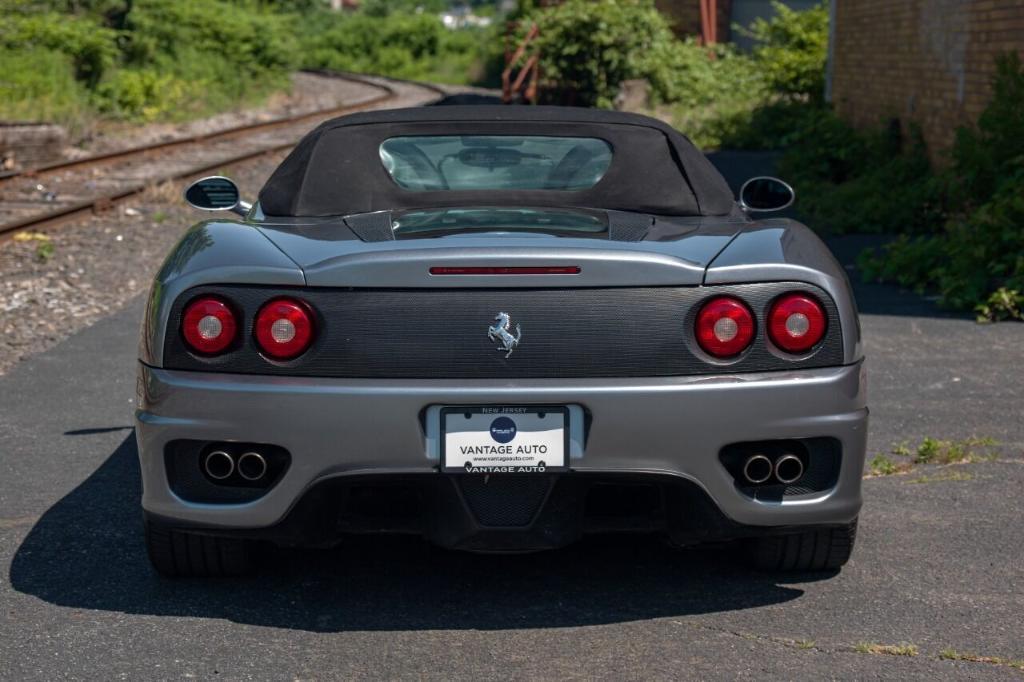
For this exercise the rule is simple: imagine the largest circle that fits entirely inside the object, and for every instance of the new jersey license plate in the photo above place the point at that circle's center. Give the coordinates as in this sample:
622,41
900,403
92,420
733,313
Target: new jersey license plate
504,440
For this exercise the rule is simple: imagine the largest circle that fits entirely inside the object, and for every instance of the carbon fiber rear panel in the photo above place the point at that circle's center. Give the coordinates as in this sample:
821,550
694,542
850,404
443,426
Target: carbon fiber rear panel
443,333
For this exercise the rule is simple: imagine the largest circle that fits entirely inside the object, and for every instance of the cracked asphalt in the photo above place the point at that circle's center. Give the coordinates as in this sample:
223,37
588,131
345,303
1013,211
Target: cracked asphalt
938,563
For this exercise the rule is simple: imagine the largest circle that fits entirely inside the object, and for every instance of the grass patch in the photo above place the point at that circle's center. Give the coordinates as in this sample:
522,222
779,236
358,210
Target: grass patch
934,451
953,655
804,643
902,458
883,465
903,649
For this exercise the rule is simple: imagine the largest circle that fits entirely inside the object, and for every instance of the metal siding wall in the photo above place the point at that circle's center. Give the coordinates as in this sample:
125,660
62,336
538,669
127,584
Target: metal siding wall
744,12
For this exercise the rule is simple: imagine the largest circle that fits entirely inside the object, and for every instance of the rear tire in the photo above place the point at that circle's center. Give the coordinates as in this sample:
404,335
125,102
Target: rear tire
822,549
181,554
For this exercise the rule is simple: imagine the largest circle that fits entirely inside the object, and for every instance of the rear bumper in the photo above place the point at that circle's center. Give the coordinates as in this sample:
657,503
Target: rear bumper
669,427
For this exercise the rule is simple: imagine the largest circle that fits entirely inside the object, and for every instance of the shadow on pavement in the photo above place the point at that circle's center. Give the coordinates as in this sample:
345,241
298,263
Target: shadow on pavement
87,552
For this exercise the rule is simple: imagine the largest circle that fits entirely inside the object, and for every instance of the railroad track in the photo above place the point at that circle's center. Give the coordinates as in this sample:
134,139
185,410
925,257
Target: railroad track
59,193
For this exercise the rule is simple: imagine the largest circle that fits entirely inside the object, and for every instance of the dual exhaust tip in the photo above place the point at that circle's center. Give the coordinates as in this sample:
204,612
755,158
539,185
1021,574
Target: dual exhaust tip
220,465
786,469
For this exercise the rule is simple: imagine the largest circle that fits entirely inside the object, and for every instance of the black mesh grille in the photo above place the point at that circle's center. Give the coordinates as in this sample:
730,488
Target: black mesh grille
372,227
628,227
443,333
504,501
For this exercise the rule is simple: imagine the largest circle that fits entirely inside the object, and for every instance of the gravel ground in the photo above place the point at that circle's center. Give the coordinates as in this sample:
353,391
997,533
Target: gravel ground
55,283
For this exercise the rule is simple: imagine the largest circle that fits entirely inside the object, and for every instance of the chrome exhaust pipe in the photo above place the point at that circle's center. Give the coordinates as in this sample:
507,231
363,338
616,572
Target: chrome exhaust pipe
757,469
219,465
788,468
252,466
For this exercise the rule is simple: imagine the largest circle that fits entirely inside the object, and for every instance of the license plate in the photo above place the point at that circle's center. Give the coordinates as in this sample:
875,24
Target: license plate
504,440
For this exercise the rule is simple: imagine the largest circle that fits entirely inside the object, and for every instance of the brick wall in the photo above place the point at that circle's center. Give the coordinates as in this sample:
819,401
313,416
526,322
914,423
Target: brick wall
928,61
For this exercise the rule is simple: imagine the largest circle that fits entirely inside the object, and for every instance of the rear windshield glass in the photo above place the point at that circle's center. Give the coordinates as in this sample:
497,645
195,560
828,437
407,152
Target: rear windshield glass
495,162
435,222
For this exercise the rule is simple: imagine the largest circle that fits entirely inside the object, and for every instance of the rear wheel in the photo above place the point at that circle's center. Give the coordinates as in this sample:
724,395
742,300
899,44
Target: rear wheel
821,549
179,554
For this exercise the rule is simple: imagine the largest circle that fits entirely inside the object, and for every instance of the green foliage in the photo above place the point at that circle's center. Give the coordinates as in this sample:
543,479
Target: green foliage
712,91
856,182
403,45
588,48
1002,304
44,251
792,48
934,451
983,157
174,59
961,228
697,77
38,84
716,94
208,52
976,260
143,94
91,48
882,465
977,254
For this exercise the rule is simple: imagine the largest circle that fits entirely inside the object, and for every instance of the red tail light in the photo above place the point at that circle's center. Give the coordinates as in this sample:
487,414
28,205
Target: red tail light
208,325
508,270
796,323
284,328
725,327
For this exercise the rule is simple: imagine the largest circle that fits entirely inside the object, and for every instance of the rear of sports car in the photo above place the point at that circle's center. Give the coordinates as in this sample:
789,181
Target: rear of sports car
500,379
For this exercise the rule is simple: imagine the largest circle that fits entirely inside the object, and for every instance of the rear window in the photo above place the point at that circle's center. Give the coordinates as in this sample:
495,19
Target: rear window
495,162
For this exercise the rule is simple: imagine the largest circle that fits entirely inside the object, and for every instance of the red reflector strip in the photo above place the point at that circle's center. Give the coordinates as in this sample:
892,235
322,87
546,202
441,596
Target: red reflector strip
517,270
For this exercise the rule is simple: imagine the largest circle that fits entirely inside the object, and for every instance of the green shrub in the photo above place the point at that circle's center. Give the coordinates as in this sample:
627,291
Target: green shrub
144,94
38,84
985,157
976,255
92,48
589,47
856,182
716,94
402,45
792,48
1002,304
210,39
711,90
977,258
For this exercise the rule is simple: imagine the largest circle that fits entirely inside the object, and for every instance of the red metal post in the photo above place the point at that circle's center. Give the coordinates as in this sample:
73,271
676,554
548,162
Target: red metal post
709,21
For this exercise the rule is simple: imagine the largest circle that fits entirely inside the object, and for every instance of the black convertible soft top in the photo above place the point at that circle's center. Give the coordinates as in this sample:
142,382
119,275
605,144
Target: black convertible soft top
336,168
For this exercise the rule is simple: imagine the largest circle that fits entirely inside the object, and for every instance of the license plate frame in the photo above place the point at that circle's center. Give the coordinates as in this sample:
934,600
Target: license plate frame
532,414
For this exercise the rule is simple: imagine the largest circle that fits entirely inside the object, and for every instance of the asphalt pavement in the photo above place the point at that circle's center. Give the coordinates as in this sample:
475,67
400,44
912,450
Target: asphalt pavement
938,563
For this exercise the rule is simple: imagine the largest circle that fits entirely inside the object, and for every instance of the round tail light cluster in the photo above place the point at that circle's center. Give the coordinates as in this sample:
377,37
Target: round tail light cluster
284,328
796,323
209,325
725,327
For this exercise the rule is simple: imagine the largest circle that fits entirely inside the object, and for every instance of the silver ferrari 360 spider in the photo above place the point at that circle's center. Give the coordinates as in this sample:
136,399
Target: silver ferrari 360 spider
499,328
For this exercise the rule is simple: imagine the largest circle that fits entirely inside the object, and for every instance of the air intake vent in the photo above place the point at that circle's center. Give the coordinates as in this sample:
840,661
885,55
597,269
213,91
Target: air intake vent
504,501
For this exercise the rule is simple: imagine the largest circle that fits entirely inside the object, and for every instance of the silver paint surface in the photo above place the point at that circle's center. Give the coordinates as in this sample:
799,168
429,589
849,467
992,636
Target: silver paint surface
336,427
